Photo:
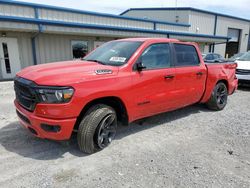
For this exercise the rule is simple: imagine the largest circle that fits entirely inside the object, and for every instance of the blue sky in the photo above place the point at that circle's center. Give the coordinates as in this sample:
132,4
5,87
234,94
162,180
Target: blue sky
239,8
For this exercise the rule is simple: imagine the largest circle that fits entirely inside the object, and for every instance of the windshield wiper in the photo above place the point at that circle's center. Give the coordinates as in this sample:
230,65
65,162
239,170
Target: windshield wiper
95,60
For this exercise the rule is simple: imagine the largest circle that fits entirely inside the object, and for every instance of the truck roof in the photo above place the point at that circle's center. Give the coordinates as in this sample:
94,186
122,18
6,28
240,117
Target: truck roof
150,39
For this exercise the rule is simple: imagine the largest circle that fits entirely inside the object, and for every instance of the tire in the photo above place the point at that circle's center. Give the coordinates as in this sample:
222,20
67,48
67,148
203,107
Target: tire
97,128
218,99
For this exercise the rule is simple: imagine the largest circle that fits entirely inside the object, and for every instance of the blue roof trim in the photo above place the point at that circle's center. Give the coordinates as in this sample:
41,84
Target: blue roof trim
124,12
102,27
34,5
187,8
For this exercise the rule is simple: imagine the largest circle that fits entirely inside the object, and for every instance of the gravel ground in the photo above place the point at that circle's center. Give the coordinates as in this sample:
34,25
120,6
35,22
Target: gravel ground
190,147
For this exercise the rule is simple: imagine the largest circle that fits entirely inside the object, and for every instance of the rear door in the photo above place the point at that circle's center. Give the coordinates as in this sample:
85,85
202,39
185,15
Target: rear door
153,87
190,74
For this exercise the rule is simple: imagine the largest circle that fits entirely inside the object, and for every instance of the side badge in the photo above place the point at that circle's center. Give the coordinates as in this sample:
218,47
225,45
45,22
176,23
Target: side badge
103,71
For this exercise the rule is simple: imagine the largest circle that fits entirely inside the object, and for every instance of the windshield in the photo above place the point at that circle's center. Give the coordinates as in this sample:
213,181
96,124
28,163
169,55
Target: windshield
235,56
114,53
245,57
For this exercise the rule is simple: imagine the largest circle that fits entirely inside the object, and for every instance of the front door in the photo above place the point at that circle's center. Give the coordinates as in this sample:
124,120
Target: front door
154,86
9,57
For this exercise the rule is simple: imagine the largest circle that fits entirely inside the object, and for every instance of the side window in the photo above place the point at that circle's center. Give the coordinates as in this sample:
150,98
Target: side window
156,56
209,57
219,56
216,56
186,55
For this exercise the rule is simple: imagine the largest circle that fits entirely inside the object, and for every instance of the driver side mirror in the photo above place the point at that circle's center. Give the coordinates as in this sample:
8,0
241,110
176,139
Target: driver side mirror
140,66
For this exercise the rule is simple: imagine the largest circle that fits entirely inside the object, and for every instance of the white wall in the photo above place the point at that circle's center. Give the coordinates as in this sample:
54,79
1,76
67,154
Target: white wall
13,10
223,23
205,23
92,19
162,15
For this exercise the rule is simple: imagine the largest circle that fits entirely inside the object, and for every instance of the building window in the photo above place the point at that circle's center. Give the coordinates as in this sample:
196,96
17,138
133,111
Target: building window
79,48
6,58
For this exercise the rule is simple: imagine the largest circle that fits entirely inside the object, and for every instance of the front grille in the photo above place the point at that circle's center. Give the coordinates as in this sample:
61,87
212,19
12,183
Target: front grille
242,71
22,117
25,93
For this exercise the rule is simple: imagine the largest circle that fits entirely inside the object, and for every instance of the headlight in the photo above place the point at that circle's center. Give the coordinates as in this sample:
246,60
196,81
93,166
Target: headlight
55,95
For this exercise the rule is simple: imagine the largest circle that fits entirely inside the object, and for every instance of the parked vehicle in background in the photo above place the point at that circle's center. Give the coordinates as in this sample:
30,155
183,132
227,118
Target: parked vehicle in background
213,58
243,68
122,80
236,56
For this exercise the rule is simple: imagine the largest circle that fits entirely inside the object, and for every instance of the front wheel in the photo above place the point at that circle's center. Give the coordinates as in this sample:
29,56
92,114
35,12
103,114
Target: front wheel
218,99
97,128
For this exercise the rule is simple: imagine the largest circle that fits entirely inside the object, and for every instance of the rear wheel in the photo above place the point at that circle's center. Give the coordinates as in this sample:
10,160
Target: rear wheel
218,99
97,128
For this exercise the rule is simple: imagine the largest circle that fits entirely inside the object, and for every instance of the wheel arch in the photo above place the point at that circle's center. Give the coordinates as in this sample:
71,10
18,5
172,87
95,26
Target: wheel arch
115,102
209,89
223,81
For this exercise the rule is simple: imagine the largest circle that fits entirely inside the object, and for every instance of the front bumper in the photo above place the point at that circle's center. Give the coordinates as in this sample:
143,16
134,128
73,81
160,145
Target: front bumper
34,124
243,77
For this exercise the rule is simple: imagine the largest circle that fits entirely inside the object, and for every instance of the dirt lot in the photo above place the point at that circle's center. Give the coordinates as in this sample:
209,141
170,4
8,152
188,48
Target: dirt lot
191,147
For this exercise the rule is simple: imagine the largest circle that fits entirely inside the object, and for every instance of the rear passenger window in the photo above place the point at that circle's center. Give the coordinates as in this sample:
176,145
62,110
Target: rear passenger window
186,55
156,56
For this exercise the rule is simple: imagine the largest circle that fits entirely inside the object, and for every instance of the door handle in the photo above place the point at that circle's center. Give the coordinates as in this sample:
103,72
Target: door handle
199,73
169,76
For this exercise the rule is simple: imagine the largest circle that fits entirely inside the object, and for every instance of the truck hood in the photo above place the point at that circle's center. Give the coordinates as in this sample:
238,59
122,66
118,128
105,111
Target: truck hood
243,65
67,73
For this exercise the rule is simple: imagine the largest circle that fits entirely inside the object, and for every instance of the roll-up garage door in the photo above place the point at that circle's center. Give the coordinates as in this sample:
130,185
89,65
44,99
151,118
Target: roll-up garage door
234,34
233,44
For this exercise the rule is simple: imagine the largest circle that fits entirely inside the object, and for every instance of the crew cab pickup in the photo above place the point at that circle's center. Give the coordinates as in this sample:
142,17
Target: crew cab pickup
120,81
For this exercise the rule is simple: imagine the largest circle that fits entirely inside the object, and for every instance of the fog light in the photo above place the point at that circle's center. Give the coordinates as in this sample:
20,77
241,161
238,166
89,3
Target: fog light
50,128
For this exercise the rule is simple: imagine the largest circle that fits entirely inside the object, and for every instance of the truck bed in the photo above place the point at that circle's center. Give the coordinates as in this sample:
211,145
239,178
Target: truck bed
220,71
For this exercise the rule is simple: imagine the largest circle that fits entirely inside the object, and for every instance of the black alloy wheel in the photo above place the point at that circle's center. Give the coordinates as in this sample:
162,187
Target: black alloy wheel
106,131
221,95
218,99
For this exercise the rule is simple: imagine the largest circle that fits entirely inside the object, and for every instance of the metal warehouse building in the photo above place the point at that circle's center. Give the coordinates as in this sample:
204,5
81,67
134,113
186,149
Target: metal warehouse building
32,34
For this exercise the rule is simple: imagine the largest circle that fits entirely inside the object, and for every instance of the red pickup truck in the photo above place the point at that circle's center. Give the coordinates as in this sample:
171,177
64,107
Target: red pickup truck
121,81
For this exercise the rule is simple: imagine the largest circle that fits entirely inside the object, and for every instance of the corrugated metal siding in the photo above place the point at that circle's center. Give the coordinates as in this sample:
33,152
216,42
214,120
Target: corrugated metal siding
92,19
223,23
196,39
162,15
96,32
164,27
56,47
14,26
205,23
13,10
51,48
